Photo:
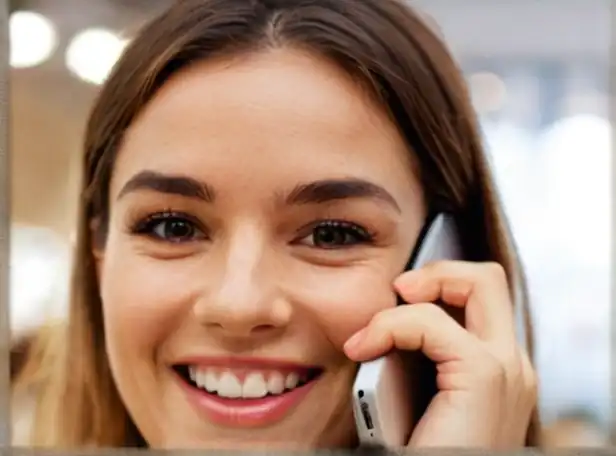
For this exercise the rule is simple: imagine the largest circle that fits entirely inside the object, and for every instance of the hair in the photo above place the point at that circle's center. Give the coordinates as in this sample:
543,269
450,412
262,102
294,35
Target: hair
384,45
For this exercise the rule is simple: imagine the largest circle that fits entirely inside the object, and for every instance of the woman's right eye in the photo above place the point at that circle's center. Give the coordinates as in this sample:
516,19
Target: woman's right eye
170,228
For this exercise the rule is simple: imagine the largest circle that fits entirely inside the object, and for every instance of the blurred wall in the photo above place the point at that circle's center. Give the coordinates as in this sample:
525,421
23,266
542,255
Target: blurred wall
45,143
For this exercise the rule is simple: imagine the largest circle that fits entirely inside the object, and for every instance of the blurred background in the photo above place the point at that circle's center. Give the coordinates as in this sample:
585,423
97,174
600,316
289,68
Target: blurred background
538,72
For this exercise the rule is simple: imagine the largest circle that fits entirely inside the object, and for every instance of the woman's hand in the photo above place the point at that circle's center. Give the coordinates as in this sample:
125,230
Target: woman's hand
487,386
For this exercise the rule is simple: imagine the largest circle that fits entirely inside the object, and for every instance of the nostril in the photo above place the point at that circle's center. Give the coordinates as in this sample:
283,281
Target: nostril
241,330
263,328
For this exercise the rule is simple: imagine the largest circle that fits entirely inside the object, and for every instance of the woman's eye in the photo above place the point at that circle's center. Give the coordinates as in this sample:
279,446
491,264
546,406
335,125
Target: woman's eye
333,235
171,229
174,230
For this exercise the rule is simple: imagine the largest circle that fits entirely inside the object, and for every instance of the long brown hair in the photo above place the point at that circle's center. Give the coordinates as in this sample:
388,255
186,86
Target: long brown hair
384,45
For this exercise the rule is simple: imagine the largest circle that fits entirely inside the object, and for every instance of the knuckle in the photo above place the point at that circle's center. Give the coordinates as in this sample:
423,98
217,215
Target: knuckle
521,377
431,311
511,360
492,371
529,376
495,271
532,393
380,321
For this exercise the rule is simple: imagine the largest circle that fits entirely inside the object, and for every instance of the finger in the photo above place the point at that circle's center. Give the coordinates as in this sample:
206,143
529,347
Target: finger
424,327
479,287
529,376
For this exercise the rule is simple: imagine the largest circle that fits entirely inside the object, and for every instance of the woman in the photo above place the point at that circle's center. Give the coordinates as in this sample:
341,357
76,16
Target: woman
256,176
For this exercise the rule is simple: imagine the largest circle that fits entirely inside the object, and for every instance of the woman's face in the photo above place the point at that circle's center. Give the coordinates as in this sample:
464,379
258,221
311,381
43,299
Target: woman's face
260,209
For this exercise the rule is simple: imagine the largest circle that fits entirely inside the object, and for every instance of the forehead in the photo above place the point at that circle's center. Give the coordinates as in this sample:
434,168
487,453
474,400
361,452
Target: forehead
273,117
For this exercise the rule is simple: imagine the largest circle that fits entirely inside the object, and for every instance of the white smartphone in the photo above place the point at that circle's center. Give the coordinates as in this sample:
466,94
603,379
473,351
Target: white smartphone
381,402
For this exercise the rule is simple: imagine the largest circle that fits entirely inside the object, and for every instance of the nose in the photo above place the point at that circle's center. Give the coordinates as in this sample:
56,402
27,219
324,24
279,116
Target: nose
243,298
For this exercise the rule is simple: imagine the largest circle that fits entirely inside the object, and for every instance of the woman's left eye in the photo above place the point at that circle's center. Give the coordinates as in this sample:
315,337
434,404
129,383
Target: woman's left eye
336,234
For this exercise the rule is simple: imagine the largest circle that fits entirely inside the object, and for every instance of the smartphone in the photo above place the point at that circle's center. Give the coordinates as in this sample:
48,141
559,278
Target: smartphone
381,403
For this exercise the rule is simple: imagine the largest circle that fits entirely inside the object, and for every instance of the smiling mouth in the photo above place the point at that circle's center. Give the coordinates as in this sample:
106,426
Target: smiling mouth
246,384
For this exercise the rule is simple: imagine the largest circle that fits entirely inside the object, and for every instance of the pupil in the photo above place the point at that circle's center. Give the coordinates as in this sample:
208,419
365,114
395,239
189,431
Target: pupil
327,236
178,229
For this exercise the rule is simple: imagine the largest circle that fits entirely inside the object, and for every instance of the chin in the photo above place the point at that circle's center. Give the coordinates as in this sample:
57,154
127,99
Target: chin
250,442
336,431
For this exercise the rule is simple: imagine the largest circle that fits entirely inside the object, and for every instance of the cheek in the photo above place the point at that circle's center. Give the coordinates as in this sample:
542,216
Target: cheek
144,299
344,300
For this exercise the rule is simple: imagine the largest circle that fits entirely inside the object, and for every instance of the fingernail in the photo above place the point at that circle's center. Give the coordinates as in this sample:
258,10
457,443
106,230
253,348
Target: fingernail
355,340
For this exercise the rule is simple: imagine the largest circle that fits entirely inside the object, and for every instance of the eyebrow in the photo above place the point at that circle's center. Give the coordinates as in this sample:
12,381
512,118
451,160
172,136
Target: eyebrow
322,191
339,189
169,184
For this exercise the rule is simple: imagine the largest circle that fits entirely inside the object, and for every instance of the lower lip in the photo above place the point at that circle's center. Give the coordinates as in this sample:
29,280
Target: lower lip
245,412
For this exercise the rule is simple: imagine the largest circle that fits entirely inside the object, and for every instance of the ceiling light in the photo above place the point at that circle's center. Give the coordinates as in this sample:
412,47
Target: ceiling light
33,39
92,54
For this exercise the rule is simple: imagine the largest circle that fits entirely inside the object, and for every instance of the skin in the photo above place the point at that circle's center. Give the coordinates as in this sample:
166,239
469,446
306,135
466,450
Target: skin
249,280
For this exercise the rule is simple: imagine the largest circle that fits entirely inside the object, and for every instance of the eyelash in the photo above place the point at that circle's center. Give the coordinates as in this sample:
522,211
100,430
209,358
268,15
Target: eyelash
352,233
360,235
147,226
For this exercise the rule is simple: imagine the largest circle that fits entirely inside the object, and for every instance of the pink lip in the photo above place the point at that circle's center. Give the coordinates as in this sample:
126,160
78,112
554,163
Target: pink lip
244,412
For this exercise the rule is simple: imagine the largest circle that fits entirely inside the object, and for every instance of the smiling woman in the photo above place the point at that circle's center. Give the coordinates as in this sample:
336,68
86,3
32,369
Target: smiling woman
256,176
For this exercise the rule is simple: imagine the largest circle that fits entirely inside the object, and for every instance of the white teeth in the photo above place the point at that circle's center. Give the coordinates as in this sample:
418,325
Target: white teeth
200,379
254,386
291,381
204,379
275,383
229,386
211,382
